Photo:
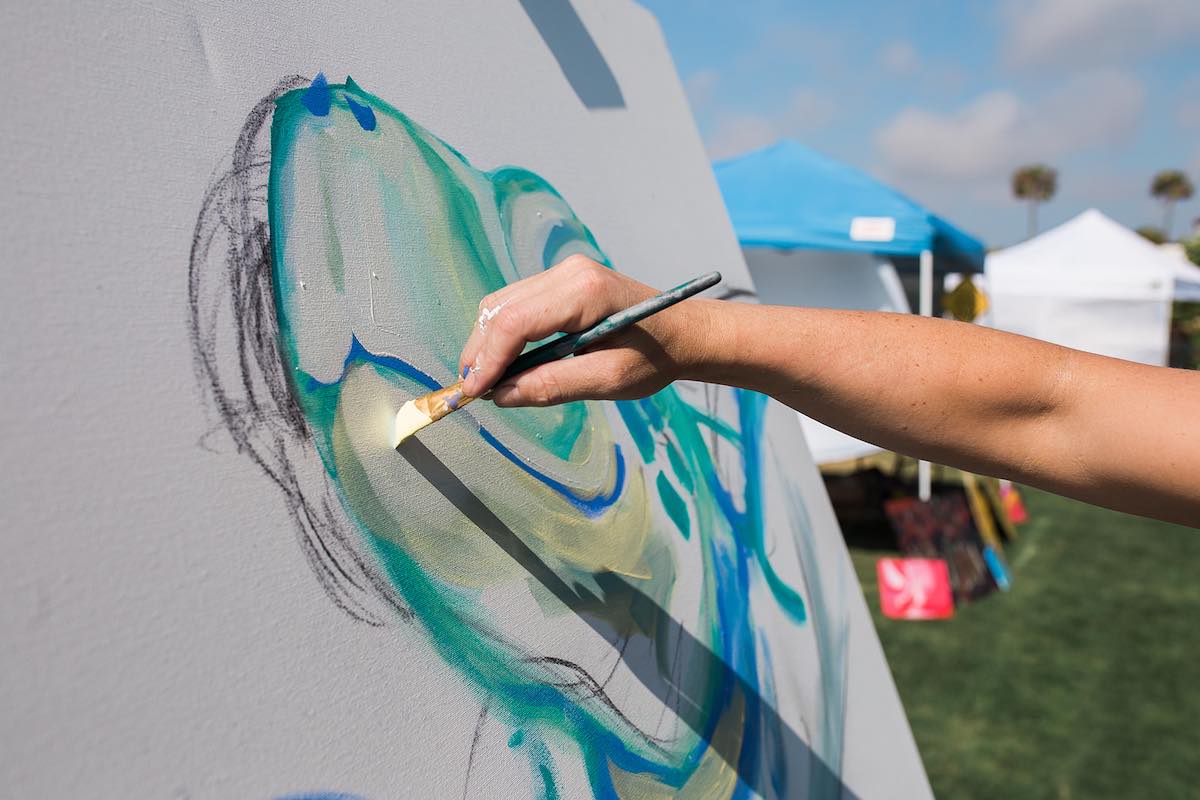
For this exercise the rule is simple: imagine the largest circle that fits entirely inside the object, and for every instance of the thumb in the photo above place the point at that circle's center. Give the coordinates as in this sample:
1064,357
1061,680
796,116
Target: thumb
588,376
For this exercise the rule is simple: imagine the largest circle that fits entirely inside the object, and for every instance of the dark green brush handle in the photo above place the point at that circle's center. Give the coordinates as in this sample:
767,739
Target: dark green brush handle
572,343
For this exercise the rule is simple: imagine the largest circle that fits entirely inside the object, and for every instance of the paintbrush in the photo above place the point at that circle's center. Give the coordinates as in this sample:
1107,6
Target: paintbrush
422,411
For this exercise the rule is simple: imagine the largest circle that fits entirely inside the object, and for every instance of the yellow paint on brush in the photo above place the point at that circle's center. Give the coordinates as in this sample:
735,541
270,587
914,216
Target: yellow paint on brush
409,420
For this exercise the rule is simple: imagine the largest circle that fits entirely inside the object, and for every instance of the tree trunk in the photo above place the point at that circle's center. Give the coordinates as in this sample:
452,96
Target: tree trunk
1168,217
1032,227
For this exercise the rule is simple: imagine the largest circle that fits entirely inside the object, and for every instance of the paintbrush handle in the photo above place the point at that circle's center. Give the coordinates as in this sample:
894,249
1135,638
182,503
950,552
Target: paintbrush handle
422,411
572,343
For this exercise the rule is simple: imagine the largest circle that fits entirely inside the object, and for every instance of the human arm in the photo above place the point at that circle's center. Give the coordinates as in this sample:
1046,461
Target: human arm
1107,431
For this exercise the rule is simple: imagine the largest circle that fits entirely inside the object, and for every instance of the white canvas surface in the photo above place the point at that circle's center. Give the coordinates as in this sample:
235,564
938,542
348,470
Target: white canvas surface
163,633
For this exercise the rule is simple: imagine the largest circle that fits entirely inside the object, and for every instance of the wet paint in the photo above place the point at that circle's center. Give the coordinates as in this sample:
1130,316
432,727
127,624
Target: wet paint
420,237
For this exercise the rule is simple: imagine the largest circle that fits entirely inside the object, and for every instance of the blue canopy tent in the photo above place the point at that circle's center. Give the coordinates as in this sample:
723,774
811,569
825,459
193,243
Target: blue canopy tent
788,197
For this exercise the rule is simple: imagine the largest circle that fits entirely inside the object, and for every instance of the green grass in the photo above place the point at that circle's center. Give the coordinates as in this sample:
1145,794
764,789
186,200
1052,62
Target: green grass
1083,681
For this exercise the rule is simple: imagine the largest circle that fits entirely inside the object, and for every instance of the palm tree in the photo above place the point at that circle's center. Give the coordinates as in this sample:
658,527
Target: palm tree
1171,186
1151,234
1034,183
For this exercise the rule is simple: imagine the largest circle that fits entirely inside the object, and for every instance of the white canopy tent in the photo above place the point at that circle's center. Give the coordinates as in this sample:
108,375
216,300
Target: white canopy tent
827,279
1092,284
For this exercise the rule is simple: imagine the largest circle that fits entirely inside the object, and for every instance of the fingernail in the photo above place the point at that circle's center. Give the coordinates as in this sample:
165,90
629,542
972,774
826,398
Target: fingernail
506,394
466,371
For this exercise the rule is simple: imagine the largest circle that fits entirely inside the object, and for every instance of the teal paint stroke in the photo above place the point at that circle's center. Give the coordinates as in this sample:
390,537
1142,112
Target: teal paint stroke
674,505
447,233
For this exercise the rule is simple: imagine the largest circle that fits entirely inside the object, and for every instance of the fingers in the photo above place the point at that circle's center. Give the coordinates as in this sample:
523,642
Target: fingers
493,304
568,297
591,376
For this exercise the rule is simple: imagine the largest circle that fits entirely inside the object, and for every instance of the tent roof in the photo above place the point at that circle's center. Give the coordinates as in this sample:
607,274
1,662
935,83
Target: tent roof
789,196
1092,255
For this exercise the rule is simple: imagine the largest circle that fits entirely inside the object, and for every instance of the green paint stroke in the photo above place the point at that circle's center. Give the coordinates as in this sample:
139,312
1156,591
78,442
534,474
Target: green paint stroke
674,504
549,790
639,429
398,238
680,468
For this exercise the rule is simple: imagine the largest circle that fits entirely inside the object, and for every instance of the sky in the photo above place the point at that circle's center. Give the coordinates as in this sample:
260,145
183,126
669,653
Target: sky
943,99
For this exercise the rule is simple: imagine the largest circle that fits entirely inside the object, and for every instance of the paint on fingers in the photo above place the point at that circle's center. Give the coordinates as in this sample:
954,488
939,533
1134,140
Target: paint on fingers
486,315
470,376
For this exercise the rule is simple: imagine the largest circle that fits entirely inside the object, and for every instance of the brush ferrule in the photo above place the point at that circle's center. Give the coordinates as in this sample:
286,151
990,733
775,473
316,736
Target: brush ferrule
438,404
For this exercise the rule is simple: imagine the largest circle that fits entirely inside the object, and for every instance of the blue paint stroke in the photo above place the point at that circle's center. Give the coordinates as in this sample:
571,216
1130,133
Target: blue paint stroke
734,561
317,98
590,506
748,525
364,114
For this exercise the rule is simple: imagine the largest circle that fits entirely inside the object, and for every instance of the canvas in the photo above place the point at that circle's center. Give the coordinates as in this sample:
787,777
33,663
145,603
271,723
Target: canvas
245,591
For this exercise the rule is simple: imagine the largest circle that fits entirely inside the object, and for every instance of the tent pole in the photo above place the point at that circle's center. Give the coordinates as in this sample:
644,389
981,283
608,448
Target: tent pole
924,487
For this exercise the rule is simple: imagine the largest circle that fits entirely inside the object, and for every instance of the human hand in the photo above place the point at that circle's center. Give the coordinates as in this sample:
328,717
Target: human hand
570,297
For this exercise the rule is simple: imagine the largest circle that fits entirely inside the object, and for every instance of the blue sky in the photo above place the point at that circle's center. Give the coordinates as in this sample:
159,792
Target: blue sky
943,99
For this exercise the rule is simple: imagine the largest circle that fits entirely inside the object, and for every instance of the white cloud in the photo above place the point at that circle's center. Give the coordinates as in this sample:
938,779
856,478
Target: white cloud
899,58
805,110
786,43
809,110
999,130
964,144
1094,32
700,88
737,133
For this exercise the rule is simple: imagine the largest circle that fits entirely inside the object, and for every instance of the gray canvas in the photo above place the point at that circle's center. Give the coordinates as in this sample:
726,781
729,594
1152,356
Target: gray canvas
225,271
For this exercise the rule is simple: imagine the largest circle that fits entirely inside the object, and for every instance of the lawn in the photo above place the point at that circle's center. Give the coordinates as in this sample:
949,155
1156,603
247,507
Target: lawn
1081,682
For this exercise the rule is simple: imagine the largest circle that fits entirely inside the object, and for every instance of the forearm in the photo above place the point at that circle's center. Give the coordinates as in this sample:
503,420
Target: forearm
950,392
1103,430
1107,431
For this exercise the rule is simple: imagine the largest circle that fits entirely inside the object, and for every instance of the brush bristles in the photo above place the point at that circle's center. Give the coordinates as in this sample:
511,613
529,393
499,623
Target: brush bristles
409,420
